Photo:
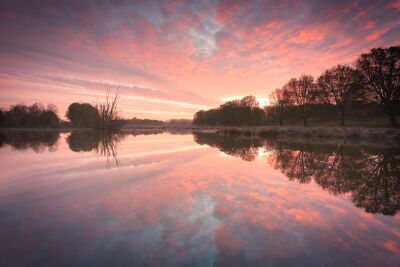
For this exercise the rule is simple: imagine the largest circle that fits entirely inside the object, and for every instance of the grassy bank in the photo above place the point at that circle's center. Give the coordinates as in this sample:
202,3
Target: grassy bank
355,134
388,135
383,135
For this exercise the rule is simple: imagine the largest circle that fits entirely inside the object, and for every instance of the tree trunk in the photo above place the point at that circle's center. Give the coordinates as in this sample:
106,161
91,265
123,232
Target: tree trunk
305,121
280,122
342,117
341,112
392,116
303,113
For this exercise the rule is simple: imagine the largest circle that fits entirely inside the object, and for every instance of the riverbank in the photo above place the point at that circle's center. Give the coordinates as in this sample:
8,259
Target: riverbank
351,133
384,135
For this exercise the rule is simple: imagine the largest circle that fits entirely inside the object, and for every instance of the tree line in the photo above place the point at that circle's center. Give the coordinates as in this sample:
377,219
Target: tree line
368,88
245,111
101,116
374,79
33,116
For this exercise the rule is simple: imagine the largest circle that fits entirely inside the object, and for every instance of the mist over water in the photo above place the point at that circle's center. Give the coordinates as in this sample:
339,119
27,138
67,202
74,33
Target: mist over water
196,199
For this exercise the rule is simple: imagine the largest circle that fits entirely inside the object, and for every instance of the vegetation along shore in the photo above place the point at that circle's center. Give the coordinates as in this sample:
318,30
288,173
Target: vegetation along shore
366,94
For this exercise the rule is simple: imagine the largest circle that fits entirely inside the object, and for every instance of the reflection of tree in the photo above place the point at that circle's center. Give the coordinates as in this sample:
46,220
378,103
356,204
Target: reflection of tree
371,176
244,148
38,141
294,164
83,141
336,169
105,144
379,188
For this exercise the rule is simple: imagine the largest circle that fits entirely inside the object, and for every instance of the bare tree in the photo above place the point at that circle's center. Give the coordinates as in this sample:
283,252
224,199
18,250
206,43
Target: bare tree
249,105
301,92
279,104
339,86
108,111
381,69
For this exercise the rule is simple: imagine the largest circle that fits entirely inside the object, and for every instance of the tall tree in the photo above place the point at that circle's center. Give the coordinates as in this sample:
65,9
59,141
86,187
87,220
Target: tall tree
250,108
381,69
339,86
301,92
279,104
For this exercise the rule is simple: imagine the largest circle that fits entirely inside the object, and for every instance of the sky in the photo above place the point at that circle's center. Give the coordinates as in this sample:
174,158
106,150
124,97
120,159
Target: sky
169,59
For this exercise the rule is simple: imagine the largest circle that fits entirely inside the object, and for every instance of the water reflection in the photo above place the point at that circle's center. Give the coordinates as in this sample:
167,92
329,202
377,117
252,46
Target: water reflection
172,202
244,148
370,175
37,141
104,144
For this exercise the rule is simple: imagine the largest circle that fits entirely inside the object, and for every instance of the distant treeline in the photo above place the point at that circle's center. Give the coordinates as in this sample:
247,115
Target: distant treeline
369,90
245,111
148,122
34,116
136,122
102,116
80,115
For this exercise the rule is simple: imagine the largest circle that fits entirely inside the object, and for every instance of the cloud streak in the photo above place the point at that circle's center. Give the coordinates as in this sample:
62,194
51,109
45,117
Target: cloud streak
191,52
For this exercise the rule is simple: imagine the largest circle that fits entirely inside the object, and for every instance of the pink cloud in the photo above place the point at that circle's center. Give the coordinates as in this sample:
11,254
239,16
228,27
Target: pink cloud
370,25
390,245
310,35
395,5
195,53
376,34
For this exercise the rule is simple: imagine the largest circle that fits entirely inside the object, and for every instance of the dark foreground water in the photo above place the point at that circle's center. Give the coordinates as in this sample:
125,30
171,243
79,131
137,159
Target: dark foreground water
83,199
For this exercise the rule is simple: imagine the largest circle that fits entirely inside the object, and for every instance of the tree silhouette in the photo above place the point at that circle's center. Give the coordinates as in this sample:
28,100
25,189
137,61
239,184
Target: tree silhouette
381,70
239,112
339,86
301,92
279,104
108,112
83,115
34,116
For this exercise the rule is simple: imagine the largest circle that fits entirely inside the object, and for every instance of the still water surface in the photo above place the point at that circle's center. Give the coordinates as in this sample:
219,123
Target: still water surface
81,199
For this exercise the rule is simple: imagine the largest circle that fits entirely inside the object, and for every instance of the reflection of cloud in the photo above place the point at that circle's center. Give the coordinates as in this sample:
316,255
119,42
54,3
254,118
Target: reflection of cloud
188,208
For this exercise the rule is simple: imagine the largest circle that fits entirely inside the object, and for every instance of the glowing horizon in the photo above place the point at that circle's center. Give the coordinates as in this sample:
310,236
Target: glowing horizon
169,59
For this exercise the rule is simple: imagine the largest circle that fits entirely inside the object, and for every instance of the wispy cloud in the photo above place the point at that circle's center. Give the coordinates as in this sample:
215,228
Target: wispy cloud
188,52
